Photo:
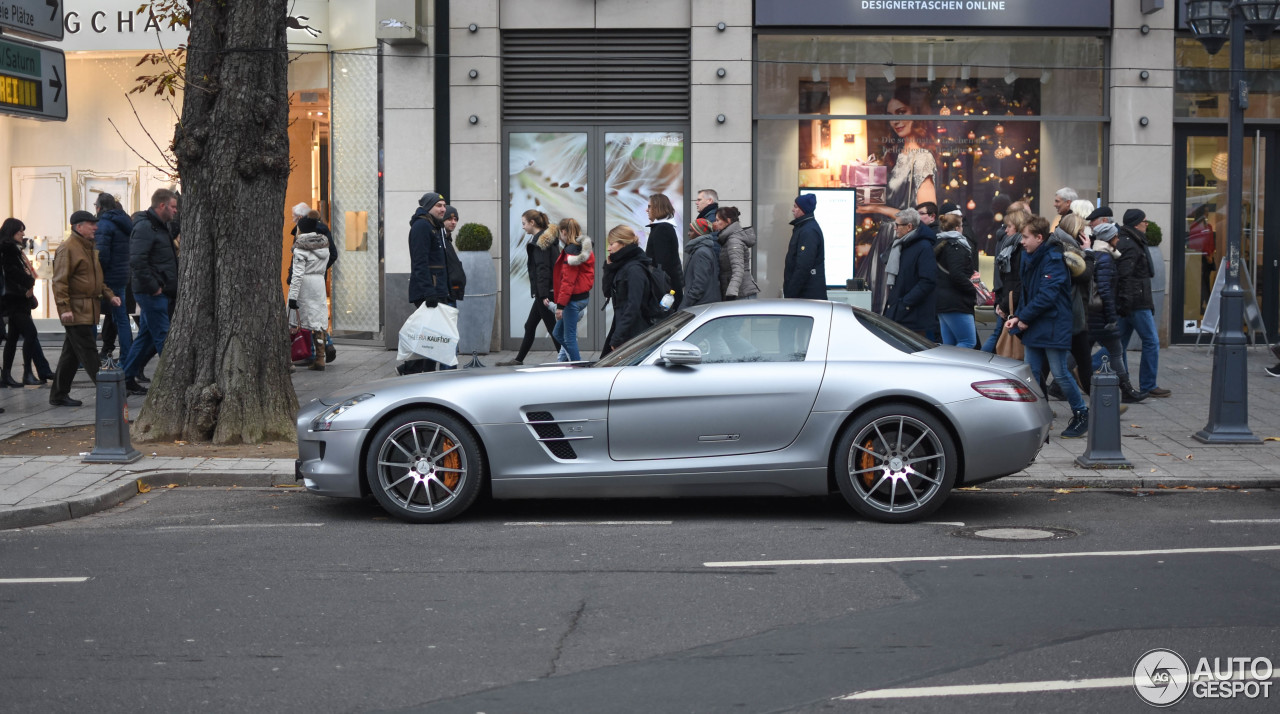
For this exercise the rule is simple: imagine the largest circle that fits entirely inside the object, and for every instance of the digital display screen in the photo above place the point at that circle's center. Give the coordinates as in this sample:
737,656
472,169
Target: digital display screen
20,92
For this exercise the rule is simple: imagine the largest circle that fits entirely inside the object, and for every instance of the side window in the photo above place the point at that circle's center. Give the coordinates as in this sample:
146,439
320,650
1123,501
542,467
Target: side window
754,338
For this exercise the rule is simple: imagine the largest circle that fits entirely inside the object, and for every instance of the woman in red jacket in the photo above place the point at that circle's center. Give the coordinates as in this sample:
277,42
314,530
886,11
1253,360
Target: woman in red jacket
572,278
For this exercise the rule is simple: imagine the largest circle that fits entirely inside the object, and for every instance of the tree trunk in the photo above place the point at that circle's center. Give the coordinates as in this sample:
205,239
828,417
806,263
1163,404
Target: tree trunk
224,375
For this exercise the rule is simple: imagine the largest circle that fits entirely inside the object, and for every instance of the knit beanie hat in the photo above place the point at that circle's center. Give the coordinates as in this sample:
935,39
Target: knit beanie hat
699,227
807,202
450,212
429,200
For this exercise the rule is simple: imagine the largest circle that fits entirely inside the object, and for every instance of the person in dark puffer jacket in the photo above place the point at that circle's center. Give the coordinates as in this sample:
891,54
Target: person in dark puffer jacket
542,249
626,283
1103,329
153,267
112,243
911,275
956,295
701,265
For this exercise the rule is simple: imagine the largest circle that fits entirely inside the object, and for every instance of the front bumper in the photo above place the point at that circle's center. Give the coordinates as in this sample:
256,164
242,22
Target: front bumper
329,462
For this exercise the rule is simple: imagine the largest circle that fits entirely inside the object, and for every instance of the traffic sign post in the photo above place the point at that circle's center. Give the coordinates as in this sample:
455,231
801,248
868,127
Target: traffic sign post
36,19
32,81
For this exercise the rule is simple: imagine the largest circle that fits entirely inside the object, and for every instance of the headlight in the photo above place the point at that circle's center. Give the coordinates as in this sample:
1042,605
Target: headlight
322,422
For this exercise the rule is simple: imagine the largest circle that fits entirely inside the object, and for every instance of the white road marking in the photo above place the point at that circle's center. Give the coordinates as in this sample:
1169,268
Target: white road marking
960,690
238,525
39,581
588,523
1006,688
941,523
1002,556
1250,520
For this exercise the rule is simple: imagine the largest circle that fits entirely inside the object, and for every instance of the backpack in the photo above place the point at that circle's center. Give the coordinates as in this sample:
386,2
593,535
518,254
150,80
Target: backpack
651,308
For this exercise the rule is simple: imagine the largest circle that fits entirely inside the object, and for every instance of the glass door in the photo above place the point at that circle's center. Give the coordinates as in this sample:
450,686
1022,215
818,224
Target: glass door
599,176
1200,235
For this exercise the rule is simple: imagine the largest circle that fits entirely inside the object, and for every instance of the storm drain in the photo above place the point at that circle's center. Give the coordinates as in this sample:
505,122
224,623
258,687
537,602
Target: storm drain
1015,533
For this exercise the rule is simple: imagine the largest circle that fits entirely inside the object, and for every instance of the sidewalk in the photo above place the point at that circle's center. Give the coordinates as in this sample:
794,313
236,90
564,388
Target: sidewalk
1156,437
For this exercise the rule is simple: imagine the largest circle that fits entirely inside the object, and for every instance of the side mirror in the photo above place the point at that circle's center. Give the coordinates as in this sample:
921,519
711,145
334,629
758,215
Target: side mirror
679,352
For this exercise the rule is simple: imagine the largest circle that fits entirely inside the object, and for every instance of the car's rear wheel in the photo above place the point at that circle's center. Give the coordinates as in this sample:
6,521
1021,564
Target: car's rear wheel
424,466
896,463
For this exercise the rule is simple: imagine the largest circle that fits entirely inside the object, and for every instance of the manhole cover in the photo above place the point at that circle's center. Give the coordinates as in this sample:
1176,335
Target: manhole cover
1015,533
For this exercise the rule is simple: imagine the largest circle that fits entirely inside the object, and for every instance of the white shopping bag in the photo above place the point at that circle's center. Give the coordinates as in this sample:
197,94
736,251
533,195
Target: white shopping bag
430,332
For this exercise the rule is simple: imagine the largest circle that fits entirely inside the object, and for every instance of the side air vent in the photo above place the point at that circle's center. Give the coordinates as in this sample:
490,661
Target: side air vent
548,431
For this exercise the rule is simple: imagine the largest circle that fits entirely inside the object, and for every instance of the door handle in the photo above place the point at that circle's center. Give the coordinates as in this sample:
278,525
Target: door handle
719,437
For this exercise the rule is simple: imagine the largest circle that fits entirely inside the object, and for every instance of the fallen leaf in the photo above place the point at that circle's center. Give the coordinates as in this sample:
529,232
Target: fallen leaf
969,488
172,485
1190,456
1153,470
1163,453
1061,490
1134,426
1211,488
142,487
1233,487
1271,438
1160,485
1184,486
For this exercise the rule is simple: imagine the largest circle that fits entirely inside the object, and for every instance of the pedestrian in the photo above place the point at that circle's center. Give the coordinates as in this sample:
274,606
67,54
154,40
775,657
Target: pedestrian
542,249
804,271
736,242
302,210
1134,303
573,276
707,204
457,275
701,265
1007,283
78,288
1103,318
1062,199
928,215
911,275
1067,237
956,295
1100,215
112,241
626,283
309,309
18,300
1274,371
663,246
1043,318
153,264
428,265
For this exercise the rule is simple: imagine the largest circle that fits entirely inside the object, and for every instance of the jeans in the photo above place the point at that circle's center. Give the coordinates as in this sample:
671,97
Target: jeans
1058,365
1144,322
990,345
566,329
958,328
152,331
21,326
120,316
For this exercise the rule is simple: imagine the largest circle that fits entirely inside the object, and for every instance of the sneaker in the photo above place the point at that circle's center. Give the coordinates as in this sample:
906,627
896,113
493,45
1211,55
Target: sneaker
1078,426
1159,392
511,363
1273,371
132,387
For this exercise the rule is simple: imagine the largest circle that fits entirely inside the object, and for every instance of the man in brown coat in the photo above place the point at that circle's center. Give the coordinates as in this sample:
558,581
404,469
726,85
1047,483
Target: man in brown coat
77,292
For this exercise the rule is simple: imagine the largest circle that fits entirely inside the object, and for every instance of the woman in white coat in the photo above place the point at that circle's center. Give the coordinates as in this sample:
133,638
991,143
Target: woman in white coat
306,289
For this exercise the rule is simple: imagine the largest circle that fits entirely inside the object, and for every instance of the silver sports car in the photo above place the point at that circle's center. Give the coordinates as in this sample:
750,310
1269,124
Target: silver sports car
760,398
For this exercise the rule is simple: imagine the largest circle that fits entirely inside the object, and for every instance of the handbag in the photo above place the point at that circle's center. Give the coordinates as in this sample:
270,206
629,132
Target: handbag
302,345
430,332
32,302
1010,345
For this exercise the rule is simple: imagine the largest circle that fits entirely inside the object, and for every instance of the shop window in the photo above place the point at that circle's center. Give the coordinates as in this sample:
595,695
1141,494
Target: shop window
1201,79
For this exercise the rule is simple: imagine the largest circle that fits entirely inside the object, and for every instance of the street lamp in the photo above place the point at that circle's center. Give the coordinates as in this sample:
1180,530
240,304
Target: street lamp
1214,22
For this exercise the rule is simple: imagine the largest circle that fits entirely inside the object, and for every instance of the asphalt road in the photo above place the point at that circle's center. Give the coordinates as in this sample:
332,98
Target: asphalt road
276,600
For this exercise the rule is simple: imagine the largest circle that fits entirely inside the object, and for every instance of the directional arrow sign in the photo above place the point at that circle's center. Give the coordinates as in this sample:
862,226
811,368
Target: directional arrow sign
36,19
32,81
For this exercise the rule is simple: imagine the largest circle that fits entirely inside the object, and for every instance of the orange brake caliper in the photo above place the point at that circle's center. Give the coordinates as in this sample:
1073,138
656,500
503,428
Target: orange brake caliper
452,461
866,461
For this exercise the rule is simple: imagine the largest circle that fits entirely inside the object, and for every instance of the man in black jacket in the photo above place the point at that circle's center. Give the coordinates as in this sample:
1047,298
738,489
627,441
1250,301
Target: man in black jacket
1134,271
153,262
804,272
428,261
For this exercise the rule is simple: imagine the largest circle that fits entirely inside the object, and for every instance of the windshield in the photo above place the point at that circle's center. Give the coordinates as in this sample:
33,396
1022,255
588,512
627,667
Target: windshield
891,333
643,344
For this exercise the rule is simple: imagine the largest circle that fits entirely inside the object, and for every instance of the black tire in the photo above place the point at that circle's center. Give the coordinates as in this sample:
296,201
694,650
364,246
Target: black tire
887,448
425,466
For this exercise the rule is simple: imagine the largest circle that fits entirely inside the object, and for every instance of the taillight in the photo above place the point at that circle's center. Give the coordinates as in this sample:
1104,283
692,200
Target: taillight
1005,390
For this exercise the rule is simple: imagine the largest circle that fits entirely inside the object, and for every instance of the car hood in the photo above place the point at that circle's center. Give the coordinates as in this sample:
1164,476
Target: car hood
429,378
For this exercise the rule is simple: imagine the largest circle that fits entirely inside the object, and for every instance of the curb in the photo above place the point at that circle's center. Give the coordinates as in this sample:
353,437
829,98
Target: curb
124,487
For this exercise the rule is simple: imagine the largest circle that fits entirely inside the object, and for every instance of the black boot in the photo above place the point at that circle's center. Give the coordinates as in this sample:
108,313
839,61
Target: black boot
7,380
1129,395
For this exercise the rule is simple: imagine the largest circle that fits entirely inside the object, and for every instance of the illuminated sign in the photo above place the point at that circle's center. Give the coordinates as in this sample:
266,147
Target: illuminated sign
31,81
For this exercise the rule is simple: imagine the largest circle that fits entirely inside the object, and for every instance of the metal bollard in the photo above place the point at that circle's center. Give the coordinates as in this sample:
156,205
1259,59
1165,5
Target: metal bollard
1103,450
111,427
475,361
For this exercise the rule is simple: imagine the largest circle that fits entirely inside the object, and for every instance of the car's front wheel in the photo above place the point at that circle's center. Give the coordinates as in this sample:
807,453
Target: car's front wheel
425,466
895,463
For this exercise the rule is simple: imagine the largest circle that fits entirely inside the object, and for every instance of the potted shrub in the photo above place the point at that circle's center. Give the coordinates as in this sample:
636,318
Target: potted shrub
475,312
